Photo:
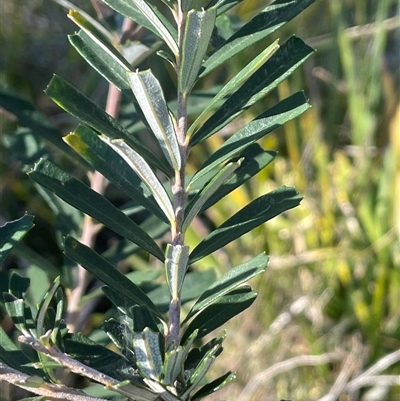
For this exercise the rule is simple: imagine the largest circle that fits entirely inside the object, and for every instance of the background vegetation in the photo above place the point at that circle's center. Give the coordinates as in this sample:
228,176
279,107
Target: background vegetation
329,302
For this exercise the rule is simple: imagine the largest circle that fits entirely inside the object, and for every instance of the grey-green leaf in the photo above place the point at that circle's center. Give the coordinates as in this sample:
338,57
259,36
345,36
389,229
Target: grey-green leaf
286,59
197,34
251,216
143,170
262,25
78,105
237,81
107,273
79,195
219,312
265,123
150,97
89,146
235,277
196,204
12,232
176,259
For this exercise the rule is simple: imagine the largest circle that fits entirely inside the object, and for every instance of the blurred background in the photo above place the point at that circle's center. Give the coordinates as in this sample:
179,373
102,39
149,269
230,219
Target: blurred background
329,303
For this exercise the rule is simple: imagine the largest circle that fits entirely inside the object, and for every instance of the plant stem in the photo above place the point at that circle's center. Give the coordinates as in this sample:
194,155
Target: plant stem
178,189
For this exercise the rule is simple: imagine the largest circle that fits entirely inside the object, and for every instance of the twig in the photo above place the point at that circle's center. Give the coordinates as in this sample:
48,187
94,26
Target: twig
72,364
53,391
347,370
280,367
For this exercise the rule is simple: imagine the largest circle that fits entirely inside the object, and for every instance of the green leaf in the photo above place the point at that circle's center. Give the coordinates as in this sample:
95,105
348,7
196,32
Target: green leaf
176,258
121,335
129,9
251,216
79,195
142,318
225,5
30,118
11,355
254,160
262,25
214,386
148,355
44,306
173,364
273,118
13,232
143,170
200,371
198,201
107,273
150,97
197,354
157,24
235,277
237,81
196,37
219,312
99,357
78,105
286,59
88,145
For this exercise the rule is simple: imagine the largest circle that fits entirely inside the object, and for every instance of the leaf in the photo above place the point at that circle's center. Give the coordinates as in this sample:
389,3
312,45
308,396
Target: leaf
254,214
150,97
99,357
173,364
148,355
237,81
225,5
30,118
254,160
12,232
131,10
219,312
176,258
235,277
107,273
79,195
286,59
273,118
75,103
198,201
143,170
196,38
157,24
262,25
214,386
88,145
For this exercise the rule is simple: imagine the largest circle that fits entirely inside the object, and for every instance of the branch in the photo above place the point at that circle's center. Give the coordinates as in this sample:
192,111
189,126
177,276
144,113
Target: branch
72,364
53,391
280,367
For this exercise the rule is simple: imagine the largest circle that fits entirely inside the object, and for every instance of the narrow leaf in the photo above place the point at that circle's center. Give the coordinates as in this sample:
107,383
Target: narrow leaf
143,170
150,97
265,123
131,10
12,232
79,195
262,25
107,273
196,37
255,159
158,26
176,260
286,59
219,312
214,386
88,145
251,216
237,81
231,280
173,364
78,105
196,204
148,354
